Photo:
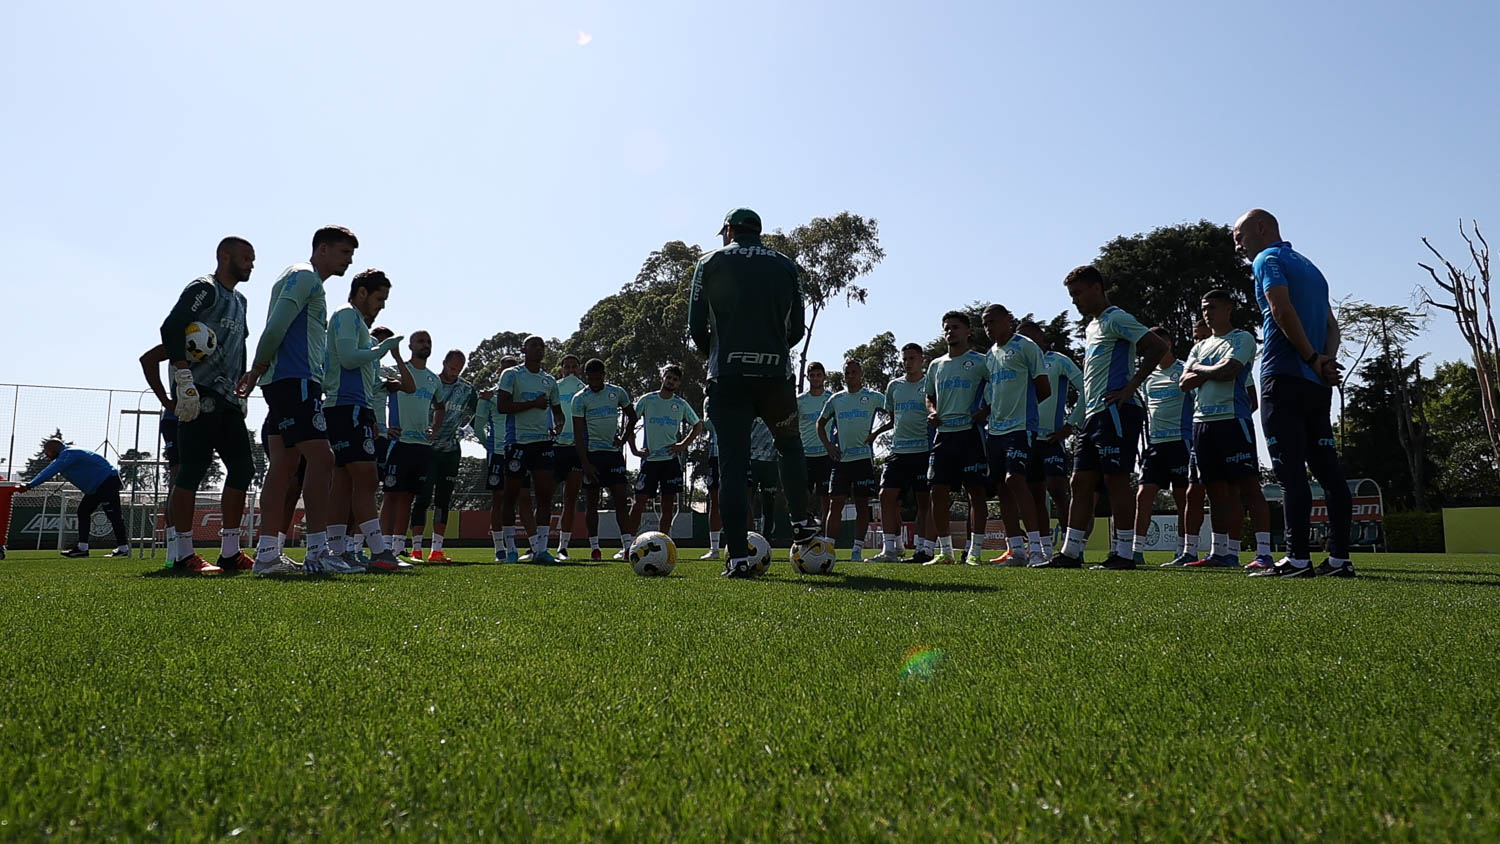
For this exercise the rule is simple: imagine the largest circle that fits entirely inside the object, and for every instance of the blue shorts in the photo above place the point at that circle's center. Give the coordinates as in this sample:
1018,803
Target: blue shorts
406,467
1008,455
957,459
1048,460
610,466
494,479
1109,440
819,473
1165,464
905,472
1224,450
294,409
659,475
521,459
351,434
565,460
854,477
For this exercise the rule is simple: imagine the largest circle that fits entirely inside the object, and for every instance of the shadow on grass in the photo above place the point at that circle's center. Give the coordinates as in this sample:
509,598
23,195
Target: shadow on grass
872,583
1470,573
1429,581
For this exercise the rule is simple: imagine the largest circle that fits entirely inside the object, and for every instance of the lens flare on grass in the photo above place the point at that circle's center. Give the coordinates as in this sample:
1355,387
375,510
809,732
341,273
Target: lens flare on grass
921,662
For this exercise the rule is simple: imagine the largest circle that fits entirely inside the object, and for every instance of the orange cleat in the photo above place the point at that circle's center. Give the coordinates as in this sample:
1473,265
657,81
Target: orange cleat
1003,559
239,562
195,565
437,557
416,554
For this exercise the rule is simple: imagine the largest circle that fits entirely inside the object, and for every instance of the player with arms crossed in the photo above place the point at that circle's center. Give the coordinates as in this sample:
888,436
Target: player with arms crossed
745,315
1047,469
1169,430
528,396
1113,418
210,413
490,426
408,458
852,412
289,369
456,403
597,441
905,468
351,385
1016,386
663,415
809,411
955,382
565,457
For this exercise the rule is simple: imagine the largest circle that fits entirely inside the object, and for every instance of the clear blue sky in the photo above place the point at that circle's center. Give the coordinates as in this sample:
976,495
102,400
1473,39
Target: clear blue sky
506,176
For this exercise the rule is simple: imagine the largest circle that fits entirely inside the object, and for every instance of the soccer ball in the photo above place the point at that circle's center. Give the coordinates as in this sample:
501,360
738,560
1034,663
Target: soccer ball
815,557
760,553
201,341
653,554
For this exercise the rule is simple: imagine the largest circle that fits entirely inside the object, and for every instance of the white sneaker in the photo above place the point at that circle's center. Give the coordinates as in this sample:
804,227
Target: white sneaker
711,555
282,566
562,554
339,564
1037,557
620,554
885,557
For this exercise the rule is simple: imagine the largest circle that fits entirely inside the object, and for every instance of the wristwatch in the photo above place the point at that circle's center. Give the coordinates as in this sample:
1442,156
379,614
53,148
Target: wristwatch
1310,358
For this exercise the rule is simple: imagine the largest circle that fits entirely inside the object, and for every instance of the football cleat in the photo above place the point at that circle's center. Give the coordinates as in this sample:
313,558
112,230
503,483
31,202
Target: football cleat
805,531
737,569
856,556
1216,561
542,558
921,557
1261,561
239,562
940,560
195,565
1006,559
282,566
1284,568
620,555
1060,561
387,563
416,554
1328,569
122,551
886,557
438,557
711,555
75,553
596,555
1115,562
1180,560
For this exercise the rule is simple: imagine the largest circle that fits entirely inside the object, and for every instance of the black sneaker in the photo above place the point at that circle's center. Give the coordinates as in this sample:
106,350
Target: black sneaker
738,569
1283,568
804,531
75,552
920,557
1060,561
1115,562
1328,569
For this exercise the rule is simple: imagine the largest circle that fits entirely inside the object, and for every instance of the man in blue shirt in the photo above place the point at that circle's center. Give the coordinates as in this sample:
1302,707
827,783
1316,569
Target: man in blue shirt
1298,369
100,484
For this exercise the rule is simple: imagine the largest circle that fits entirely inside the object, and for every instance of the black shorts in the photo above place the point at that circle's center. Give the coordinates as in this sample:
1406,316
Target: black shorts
1110,440
663,475
294,409
957,459
1165,464
1007,454
905,472
351,434
711,473
819,473
521,459
1224,450
222,431
168,429
610,466
565,460
1047,460
265,448
765,475
406,467
854,477
494,478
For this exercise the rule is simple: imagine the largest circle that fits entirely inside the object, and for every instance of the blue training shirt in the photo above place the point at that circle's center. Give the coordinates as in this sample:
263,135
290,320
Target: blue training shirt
84,469
1278,265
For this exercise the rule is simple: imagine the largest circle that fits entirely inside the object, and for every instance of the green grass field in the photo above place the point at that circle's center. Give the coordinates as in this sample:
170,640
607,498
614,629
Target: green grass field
583,702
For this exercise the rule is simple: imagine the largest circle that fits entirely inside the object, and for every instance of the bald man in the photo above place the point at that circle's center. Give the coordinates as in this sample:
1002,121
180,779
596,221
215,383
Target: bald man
1298,369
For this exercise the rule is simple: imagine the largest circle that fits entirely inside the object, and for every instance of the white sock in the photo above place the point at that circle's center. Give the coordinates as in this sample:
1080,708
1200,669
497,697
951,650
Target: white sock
1139,546
355,543
122,549
267,549
1073,544
1047,545
1190,544
229,542
562,539
1017,545
171,540
880,538
1262,543
1220,544
541,538
1033,542
859,545
177,548
1125,542
1335,561
891,541
499,537
398,544
945,545
510,539
280,542
976,544
373,537
1301,564
1234,546
83,546
594,543
626,540
336,539
317,543
437,542
416,543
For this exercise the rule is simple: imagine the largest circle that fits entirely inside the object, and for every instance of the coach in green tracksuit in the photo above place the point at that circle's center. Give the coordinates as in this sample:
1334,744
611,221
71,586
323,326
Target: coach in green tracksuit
746,315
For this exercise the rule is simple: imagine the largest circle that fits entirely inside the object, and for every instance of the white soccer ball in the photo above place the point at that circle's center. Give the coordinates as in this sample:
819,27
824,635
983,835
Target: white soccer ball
814,557
760,553
201,341
653,554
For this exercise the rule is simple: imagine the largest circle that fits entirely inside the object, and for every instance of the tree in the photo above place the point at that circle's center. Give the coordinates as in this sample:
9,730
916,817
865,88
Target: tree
1466,470
133,473
1387,329
483,364
643,327
880,359
1161,277
833,253
39,461
1059,335
1369,427
1469,292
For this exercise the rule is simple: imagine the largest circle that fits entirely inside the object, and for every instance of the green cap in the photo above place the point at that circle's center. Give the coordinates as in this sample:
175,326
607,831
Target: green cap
741,218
